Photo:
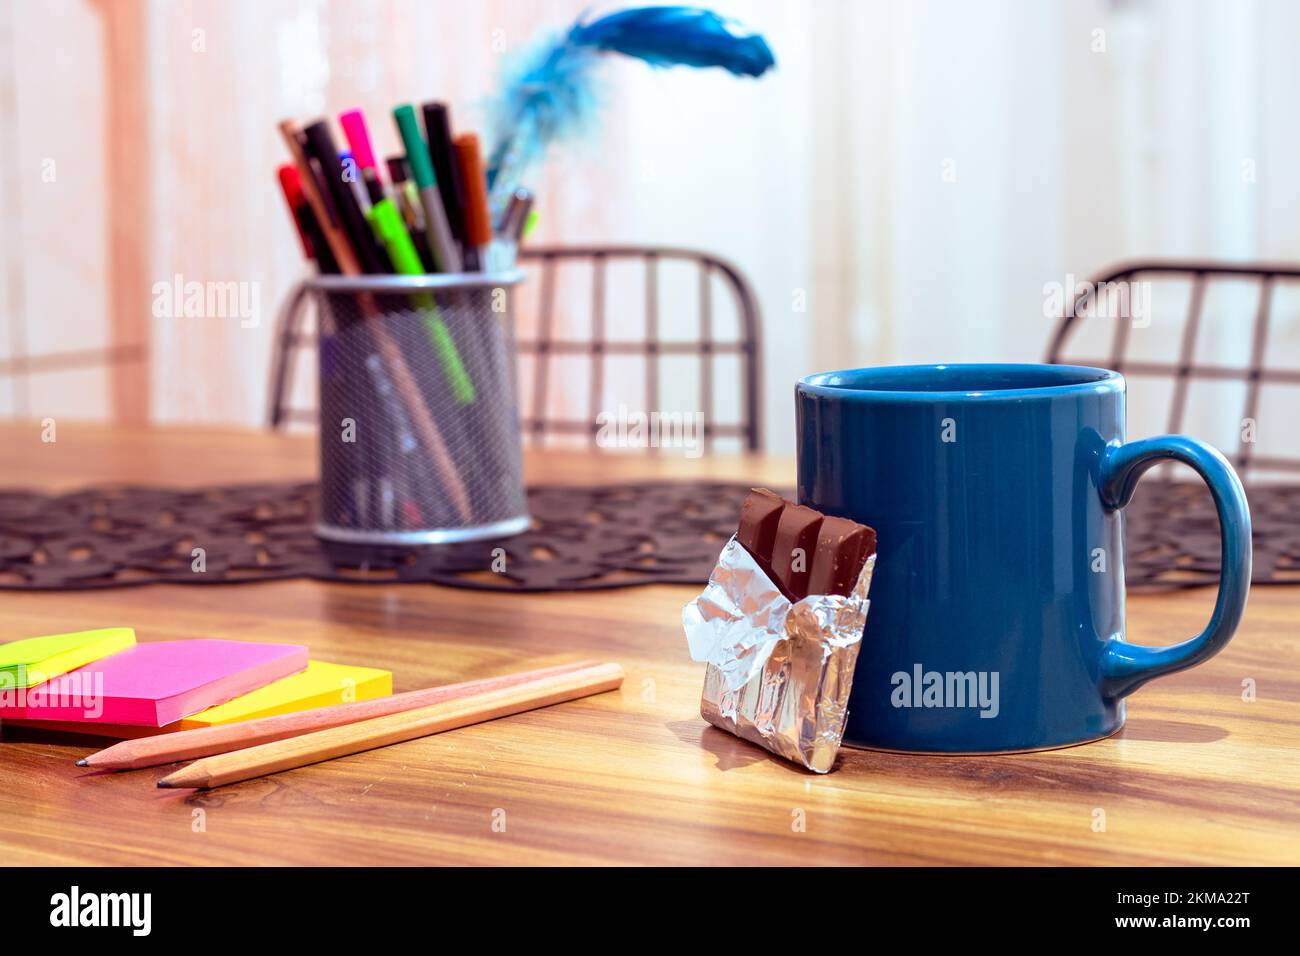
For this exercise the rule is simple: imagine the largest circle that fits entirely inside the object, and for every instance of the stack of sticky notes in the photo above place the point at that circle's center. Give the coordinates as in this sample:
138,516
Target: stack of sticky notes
37,659
104,683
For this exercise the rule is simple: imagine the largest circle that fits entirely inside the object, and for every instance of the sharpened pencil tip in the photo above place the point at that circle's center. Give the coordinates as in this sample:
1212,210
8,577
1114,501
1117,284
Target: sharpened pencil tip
164,784
82,762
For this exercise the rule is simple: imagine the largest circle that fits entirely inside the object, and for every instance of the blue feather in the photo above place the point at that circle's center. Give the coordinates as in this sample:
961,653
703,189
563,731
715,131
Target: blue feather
551,93
668,36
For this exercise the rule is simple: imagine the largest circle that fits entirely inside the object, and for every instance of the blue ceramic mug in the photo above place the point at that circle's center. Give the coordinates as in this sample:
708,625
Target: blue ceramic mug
997,493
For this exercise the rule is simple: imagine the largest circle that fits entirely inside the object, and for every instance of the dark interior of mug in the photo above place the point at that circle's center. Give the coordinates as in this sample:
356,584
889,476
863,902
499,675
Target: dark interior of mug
960,378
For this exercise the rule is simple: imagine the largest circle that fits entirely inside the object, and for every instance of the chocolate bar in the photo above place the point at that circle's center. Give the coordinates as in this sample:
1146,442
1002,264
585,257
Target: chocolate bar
780,629
802,550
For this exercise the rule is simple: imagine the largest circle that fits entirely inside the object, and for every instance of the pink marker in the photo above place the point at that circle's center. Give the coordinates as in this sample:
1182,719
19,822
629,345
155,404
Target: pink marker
354,128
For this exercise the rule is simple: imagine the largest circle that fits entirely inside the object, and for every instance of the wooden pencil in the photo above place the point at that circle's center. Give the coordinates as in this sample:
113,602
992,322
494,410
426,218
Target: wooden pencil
205,741
364,735
401,374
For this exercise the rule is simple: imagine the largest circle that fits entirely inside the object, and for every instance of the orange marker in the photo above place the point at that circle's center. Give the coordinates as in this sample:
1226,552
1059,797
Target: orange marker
478,221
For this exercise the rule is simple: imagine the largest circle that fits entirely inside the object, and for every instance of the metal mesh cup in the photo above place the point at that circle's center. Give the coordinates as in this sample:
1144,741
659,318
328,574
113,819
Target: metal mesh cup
419,424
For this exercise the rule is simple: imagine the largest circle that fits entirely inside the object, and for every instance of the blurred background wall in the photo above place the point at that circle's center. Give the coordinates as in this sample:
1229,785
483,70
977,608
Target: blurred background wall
902,188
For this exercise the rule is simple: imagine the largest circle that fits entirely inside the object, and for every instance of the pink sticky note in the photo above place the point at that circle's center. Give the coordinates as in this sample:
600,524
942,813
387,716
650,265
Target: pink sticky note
154,684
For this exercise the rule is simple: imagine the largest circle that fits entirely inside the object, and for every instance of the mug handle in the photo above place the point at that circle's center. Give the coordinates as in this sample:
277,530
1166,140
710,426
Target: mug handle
1125,667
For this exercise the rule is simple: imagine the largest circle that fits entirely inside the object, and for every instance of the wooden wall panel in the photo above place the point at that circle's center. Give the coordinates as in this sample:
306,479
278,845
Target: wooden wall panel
128,171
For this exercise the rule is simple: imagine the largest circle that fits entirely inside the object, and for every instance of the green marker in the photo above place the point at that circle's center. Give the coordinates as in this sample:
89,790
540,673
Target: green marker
388,226
387,223
441,243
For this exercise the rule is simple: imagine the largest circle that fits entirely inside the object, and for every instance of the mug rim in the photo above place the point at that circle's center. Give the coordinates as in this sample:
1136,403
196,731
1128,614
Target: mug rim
1076,380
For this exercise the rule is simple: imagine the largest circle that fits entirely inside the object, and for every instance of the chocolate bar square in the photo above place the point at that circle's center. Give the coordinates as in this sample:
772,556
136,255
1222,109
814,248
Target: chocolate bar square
792,552
758,520
843,547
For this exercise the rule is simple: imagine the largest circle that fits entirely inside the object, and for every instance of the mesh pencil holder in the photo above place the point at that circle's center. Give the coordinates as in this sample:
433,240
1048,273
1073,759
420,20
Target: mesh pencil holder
419,425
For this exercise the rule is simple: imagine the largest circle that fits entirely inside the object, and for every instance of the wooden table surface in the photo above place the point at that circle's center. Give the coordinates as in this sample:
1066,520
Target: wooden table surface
1199,775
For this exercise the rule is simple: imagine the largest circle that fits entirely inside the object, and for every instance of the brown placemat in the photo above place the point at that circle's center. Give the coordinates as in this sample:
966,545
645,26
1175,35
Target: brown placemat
583,537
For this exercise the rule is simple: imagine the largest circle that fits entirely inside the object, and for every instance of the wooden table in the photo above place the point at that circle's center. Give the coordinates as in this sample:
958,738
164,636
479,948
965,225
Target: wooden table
1199,775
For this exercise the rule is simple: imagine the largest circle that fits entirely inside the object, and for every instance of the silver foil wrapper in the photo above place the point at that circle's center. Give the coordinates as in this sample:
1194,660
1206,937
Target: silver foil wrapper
779,674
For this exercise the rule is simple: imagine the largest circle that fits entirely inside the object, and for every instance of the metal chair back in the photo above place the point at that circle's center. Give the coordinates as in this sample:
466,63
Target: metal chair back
543,342
1186,370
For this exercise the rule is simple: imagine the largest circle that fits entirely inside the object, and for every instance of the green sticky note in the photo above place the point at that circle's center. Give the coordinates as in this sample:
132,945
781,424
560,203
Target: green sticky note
35,660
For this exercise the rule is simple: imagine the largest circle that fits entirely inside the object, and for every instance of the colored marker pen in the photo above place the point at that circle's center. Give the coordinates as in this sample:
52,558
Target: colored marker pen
354,128
407,198
442,153
441,242
478,220
351,174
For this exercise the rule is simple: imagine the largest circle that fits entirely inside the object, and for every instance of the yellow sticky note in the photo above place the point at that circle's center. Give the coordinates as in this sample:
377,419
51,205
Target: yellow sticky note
320,685
36,659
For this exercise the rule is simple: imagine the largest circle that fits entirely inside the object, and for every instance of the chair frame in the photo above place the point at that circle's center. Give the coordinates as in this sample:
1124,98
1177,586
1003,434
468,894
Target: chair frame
749,346
1200,272
537,425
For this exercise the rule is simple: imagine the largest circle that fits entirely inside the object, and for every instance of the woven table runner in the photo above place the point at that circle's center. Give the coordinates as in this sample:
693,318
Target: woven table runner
582,538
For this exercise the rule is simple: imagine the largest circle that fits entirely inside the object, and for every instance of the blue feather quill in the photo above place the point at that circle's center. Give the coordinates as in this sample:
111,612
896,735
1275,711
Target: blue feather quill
550,94
666,36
